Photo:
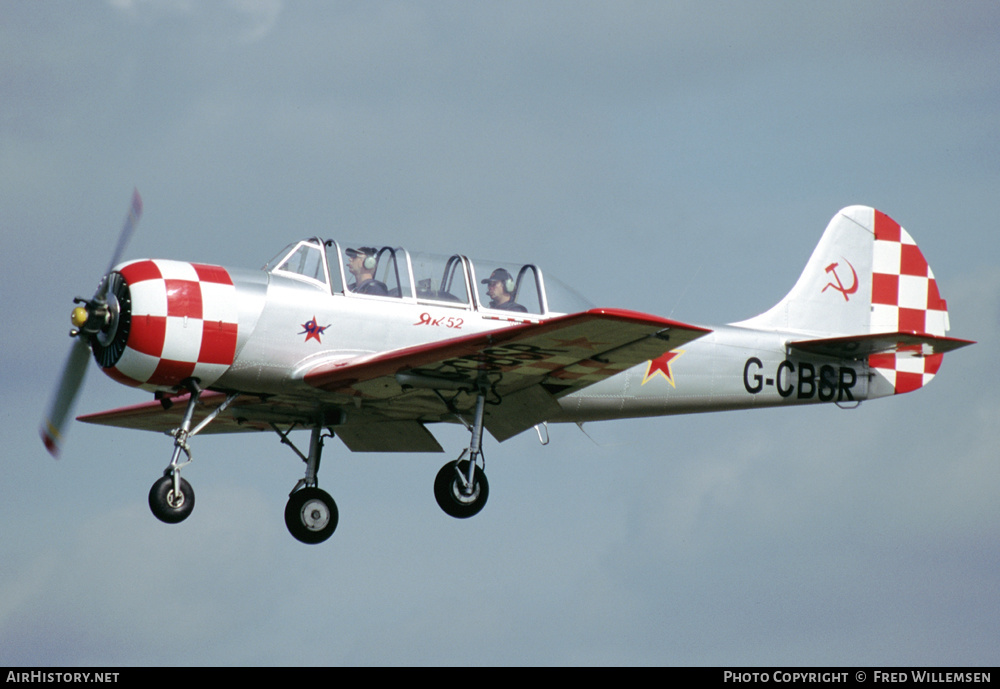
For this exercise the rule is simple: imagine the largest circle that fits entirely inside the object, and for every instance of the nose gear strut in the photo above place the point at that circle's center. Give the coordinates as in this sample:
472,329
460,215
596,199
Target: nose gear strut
171,498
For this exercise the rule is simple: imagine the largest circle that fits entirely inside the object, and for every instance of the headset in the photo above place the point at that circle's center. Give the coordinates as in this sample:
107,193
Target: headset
369,253
508,284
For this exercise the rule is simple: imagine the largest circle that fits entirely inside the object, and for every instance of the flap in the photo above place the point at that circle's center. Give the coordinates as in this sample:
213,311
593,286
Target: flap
519,411
388,436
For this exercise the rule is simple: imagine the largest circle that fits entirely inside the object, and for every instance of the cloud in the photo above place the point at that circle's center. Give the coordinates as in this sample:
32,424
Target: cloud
248,20
261,16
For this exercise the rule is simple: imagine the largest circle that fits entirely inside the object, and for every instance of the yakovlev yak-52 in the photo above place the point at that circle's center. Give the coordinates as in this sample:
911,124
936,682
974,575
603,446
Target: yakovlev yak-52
374,343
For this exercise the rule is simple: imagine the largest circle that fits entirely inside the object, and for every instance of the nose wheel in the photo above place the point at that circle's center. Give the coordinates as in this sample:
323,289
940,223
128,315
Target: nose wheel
170,503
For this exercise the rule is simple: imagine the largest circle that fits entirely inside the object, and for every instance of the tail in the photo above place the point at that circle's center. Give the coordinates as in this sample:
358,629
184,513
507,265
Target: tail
867,291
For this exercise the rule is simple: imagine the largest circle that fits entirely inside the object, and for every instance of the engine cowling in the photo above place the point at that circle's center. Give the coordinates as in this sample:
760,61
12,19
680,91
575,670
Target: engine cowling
174,321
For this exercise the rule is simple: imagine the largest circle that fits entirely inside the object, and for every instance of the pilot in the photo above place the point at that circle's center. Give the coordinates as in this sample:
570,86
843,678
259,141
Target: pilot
361,264
500,289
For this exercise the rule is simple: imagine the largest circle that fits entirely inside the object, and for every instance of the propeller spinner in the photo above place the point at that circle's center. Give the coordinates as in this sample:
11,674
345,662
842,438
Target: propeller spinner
96,322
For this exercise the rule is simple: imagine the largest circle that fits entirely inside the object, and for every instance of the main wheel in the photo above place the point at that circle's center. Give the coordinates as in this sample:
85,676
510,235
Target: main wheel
311,515
168,506
450,494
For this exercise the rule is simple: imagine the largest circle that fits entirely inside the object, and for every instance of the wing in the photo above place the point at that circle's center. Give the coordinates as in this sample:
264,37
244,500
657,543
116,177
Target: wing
258,413
526,368
246,413
381,402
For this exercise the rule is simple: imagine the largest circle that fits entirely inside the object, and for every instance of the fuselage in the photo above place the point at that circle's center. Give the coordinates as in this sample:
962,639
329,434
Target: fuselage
265,329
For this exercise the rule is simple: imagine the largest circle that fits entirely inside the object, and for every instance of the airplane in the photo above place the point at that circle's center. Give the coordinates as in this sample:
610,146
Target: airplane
374,344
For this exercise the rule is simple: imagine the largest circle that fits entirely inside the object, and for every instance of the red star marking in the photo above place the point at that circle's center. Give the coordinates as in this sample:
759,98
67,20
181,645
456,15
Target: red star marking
661,365
313,330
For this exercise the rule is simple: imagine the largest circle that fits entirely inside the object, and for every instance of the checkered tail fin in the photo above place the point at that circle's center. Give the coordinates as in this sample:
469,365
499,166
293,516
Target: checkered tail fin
867,291
905,298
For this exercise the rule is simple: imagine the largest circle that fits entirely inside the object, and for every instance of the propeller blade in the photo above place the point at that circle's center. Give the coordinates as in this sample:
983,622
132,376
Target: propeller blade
54,425
62,402
131,220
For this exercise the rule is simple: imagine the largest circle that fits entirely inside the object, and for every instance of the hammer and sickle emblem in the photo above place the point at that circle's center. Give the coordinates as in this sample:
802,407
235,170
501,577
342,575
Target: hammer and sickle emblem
832,268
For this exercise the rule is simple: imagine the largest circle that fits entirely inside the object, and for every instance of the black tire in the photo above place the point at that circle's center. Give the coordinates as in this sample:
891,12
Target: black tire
449,495
168,507
311,515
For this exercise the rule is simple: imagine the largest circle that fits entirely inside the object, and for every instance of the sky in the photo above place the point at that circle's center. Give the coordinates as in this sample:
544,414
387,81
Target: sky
678,158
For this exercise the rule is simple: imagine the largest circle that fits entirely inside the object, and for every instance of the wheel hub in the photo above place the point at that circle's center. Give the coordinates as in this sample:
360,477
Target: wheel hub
465,494
175,499
315,515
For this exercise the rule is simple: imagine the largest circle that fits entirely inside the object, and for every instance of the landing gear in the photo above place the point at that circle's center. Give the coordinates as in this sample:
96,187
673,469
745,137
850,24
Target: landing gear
171,498
170,504
311,514
461,488
457,496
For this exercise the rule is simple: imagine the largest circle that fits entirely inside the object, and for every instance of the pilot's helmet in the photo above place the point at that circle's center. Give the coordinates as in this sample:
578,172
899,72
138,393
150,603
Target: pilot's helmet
503,277
368,252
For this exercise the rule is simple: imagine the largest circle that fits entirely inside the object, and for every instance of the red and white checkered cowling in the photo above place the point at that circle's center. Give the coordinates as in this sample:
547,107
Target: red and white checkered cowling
905,298
183,324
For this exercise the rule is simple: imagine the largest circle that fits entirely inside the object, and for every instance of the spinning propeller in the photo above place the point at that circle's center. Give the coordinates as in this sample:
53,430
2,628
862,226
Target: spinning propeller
96,322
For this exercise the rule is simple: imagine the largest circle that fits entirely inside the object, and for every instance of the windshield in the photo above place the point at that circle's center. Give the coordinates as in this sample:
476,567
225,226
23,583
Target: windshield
305,260
440,279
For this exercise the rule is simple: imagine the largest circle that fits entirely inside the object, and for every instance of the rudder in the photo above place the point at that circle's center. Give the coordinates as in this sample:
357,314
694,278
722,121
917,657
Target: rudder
905,298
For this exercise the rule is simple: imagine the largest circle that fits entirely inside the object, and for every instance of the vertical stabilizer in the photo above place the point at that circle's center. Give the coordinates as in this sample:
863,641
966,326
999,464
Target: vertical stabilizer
867,276
833,294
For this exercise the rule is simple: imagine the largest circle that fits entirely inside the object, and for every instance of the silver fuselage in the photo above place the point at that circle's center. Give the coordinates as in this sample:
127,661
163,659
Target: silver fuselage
730,368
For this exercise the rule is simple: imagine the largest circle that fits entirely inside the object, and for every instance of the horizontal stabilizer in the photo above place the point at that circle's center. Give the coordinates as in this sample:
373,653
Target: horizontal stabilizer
862,346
